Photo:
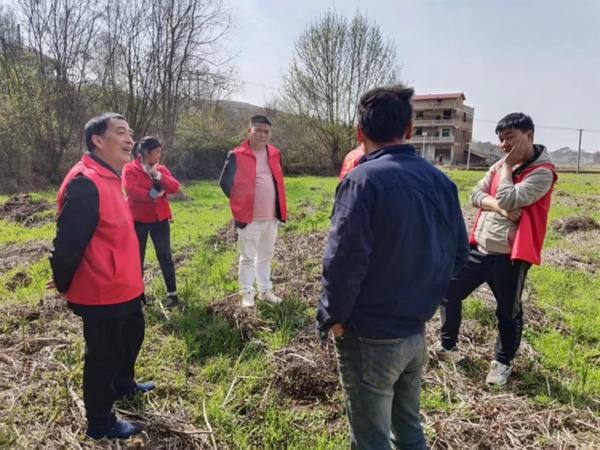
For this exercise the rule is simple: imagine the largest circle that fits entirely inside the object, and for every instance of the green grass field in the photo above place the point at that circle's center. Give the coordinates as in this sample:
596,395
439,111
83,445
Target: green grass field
216,367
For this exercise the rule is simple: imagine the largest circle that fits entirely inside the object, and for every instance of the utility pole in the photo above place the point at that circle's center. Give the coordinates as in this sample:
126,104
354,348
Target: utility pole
579,150
469,156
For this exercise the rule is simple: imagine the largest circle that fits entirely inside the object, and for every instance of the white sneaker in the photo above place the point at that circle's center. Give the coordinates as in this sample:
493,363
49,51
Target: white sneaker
247,299
498,373
452,355
268,296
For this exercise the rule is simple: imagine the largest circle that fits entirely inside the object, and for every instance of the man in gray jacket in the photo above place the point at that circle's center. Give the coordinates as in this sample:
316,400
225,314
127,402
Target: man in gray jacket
507,237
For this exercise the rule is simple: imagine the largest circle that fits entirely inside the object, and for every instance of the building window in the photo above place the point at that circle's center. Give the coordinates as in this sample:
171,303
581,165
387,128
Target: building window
447,114
445,132
419,115
418,131
464,117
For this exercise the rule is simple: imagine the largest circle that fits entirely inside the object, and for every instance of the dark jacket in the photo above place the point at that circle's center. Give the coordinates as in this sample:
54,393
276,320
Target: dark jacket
238,180
95,254
397,236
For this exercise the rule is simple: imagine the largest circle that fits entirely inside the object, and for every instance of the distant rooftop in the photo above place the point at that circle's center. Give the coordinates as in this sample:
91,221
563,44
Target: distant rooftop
438,96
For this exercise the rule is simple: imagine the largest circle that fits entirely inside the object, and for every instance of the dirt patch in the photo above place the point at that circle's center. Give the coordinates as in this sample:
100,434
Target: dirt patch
566,225
14,255
307,368
23,209
564,259
244,320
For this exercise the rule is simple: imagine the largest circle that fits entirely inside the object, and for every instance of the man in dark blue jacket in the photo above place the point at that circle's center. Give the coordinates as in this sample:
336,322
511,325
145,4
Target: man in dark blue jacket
397,236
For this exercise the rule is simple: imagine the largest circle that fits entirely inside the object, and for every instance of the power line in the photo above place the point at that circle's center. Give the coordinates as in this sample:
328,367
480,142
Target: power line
544,126
548,127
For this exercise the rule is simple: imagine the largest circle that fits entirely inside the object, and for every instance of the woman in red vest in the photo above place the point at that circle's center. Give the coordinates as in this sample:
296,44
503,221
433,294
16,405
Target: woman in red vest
147,185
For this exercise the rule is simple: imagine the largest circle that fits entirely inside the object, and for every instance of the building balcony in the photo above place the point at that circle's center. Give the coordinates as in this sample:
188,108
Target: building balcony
434,104
435,123
432,140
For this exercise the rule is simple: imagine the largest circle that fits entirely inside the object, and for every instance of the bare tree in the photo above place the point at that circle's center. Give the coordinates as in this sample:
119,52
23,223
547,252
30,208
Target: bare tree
186,34
60,34
334,62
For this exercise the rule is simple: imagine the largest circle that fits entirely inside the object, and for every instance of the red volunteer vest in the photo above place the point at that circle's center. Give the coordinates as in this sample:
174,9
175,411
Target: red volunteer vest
351,160
110,269
241,199
532,226
137,183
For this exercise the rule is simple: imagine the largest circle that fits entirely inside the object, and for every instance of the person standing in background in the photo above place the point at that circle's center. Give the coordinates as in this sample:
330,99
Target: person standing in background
147,186
252,178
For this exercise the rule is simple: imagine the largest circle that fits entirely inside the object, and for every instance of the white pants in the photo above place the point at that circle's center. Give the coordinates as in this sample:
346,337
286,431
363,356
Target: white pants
257,246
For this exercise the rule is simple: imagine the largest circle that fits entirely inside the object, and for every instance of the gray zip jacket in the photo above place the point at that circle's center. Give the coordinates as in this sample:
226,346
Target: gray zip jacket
495,233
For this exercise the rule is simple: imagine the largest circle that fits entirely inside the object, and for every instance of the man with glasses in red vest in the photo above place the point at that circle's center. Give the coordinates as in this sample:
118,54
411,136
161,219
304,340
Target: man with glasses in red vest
507,237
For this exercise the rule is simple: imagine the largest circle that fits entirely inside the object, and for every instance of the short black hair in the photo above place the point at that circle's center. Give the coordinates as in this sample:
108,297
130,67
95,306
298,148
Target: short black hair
98,125
519,121
384,113
259,119
147,143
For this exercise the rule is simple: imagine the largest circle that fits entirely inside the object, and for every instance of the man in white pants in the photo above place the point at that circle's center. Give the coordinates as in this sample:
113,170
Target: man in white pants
253,180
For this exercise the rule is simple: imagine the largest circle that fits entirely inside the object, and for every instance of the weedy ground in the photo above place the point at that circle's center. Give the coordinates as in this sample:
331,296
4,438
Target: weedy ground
231,378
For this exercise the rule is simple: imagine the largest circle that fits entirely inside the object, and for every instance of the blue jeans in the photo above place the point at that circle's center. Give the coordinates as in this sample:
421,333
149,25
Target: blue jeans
381,382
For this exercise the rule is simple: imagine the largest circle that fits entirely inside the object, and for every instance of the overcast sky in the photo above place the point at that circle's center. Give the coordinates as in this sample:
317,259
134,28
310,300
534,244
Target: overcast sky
541,57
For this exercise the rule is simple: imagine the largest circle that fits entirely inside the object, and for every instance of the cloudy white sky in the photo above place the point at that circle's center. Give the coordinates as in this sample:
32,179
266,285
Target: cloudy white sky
541,57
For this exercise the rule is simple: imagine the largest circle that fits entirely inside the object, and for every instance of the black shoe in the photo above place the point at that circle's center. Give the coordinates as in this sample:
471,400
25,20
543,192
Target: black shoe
121,430
139,387
171,301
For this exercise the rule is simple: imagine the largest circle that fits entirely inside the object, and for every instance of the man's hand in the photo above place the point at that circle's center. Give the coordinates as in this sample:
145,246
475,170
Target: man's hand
517,152
514,215
50,285
161,193
337,330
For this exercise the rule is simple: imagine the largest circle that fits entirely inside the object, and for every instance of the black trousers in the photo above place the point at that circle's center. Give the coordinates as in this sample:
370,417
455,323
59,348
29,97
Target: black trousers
111,349
160,232
506,279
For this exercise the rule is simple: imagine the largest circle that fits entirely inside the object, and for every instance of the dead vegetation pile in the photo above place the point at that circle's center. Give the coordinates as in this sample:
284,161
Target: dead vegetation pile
483,418
245,320
566,225
225,236
565,259
306,368
23,209
298,262
39,349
